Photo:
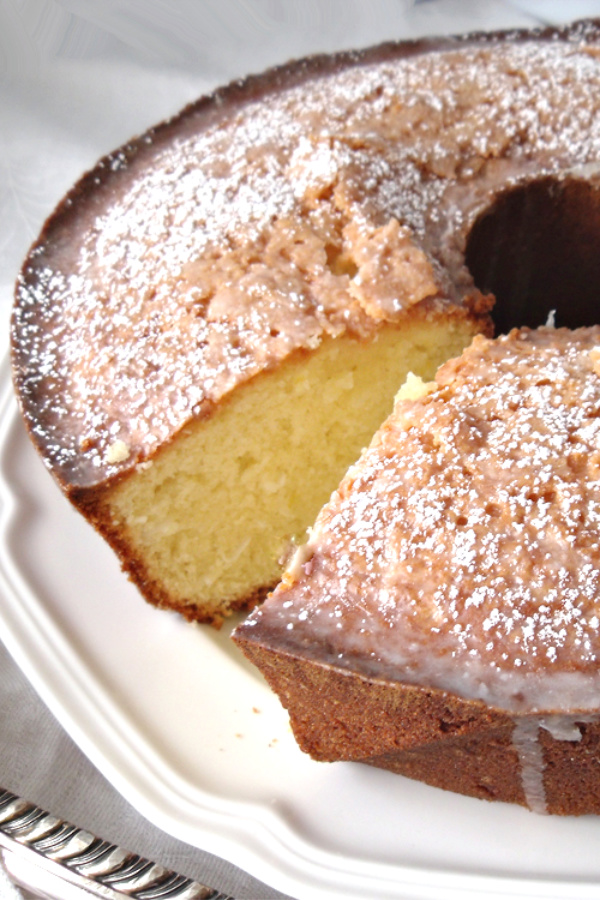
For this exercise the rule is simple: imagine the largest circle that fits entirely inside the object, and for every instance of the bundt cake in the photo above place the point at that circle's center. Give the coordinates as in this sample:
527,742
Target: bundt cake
443,620
216,318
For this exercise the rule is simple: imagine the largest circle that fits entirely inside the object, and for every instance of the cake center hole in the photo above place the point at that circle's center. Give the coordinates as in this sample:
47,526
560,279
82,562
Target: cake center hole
537,249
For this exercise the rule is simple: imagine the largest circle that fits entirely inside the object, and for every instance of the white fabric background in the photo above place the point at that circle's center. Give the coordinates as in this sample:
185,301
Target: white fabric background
77,78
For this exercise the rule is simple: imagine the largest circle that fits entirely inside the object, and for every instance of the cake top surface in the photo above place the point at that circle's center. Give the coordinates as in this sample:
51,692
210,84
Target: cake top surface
329,196
462,551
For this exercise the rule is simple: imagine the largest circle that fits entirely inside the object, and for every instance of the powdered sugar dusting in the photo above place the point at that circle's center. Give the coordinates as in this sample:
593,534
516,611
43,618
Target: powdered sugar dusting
199,260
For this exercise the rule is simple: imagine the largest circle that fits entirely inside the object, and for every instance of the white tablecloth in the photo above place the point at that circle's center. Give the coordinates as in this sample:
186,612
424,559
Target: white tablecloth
77,78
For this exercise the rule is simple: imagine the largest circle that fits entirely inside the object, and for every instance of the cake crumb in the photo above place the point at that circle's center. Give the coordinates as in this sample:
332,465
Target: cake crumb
414,388
117,452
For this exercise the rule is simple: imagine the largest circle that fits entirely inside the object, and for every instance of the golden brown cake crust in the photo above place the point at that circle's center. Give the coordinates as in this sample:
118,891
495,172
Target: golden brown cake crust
432,736
165,278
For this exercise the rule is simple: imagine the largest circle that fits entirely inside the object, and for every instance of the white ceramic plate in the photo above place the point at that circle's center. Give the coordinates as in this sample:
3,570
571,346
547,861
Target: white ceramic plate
188,732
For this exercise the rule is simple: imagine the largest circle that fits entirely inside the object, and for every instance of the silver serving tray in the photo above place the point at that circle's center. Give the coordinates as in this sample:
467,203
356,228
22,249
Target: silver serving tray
52,858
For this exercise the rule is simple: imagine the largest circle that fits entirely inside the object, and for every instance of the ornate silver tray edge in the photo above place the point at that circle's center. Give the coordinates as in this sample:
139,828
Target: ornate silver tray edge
40,843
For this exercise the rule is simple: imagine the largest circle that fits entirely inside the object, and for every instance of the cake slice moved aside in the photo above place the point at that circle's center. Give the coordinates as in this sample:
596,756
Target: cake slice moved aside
443,620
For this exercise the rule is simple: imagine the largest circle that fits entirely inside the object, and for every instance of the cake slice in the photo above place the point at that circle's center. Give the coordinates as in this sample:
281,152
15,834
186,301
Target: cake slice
443,619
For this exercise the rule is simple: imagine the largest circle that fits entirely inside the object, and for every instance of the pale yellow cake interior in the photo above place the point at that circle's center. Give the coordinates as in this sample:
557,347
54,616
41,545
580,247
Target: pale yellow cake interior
217,510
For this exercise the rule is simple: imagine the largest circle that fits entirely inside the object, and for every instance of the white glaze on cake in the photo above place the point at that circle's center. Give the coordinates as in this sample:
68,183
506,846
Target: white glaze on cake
531,755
